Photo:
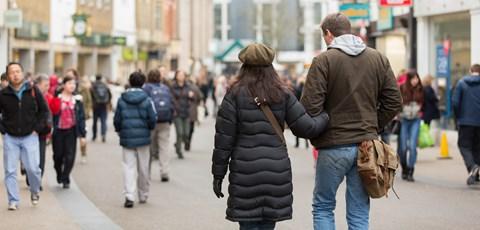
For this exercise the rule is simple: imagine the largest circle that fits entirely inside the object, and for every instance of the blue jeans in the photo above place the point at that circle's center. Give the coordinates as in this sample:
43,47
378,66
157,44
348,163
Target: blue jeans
408,142
26,149
257,225
99,112
334,164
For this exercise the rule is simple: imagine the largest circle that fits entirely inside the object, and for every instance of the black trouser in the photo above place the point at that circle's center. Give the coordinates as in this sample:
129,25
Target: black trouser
469,145
192,129
100,112
43,147
64,150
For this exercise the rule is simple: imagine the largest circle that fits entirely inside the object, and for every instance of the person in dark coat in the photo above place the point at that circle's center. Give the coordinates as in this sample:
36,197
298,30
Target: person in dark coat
183,97
430,101
260,189
134,119
68,125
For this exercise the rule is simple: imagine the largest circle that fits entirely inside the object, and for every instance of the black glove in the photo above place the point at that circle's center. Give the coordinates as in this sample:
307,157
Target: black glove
217,187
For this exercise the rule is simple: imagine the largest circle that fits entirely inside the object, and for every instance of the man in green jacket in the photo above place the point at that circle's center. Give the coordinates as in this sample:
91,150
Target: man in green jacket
356,86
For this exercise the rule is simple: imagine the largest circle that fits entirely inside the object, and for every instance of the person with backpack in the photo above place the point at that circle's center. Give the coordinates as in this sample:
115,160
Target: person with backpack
249,142
466,105
102,97
356,86
68,125
24,115
134,120
164,106
183,97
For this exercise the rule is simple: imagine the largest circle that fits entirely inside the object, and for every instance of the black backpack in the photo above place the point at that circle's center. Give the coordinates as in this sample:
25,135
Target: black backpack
162,100
100,93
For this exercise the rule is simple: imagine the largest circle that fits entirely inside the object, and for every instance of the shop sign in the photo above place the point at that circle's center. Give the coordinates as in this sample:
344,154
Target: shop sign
356,11
385,18
32,30
442,62
395,2
128,54
121,41
13,18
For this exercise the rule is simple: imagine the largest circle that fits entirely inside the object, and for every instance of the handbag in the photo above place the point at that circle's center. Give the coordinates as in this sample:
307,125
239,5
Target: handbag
271,118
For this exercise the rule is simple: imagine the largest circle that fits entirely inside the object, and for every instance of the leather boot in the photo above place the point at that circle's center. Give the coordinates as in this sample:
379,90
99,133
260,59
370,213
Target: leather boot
410,175
404,172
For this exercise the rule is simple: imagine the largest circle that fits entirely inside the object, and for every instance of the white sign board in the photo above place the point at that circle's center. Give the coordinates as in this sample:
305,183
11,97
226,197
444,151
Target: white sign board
13,18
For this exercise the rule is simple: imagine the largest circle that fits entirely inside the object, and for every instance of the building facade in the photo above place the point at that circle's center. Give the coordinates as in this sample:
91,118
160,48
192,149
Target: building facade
3,37
457,21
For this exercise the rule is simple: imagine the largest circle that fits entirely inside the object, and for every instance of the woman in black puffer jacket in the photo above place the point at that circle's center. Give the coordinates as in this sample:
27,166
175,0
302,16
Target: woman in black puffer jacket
260,189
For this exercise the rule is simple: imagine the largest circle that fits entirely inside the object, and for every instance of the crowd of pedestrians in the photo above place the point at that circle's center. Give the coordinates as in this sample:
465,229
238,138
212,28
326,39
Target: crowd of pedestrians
349,95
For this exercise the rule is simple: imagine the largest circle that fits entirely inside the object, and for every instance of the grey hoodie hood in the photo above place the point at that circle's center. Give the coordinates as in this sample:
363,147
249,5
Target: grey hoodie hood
349,44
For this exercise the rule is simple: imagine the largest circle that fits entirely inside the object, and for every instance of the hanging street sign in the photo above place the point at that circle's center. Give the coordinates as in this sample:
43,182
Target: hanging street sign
13,18
395,2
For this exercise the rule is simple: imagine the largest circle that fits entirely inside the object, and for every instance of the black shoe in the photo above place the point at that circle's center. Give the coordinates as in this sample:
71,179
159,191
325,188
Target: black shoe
410,175
66,185
26,180
165,179
187,146
41,188
128,203
59,180
473,175
94,139
104,139
180,156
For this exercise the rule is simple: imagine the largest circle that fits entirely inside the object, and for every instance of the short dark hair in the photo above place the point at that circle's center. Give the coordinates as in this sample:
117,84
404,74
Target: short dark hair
475,68
154,76
337,23
137,79
98,77
13,63
67,79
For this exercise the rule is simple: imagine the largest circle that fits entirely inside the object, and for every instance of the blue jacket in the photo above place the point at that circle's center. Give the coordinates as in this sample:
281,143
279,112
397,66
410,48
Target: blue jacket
466,101
134,118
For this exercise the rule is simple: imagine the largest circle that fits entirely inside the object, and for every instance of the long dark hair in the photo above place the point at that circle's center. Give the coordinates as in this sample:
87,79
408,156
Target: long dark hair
262,82
411,93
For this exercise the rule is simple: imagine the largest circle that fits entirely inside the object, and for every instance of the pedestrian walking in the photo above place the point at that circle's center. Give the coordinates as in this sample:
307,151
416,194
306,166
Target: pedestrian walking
84,89
3,81
134,120
355,85
413,98
43,84
24,114
430,103
183,97
466,104
102,98
68,125
164,106
196,102
249,141
298,93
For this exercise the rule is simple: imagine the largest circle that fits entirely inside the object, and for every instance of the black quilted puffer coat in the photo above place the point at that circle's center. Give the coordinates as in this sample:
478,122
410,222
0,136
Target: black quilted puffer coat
260,176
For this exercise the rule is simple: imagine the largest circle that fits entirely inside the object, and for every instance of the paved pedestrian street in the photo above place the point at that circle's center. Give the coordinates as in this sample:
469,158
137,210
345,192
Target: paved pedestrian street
439,199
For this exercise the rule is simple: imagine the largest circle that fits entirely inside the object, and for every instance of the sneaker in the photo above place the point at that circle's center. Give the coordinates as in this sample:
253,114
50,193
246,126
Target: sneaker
128,203
83,160
35,198
473,175
12,207
142,201
165,179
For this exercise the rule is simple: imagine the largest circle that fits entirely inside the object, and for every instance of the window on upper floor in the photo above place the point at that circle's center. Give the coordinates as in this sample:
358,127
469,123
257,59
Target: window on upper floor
158,15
